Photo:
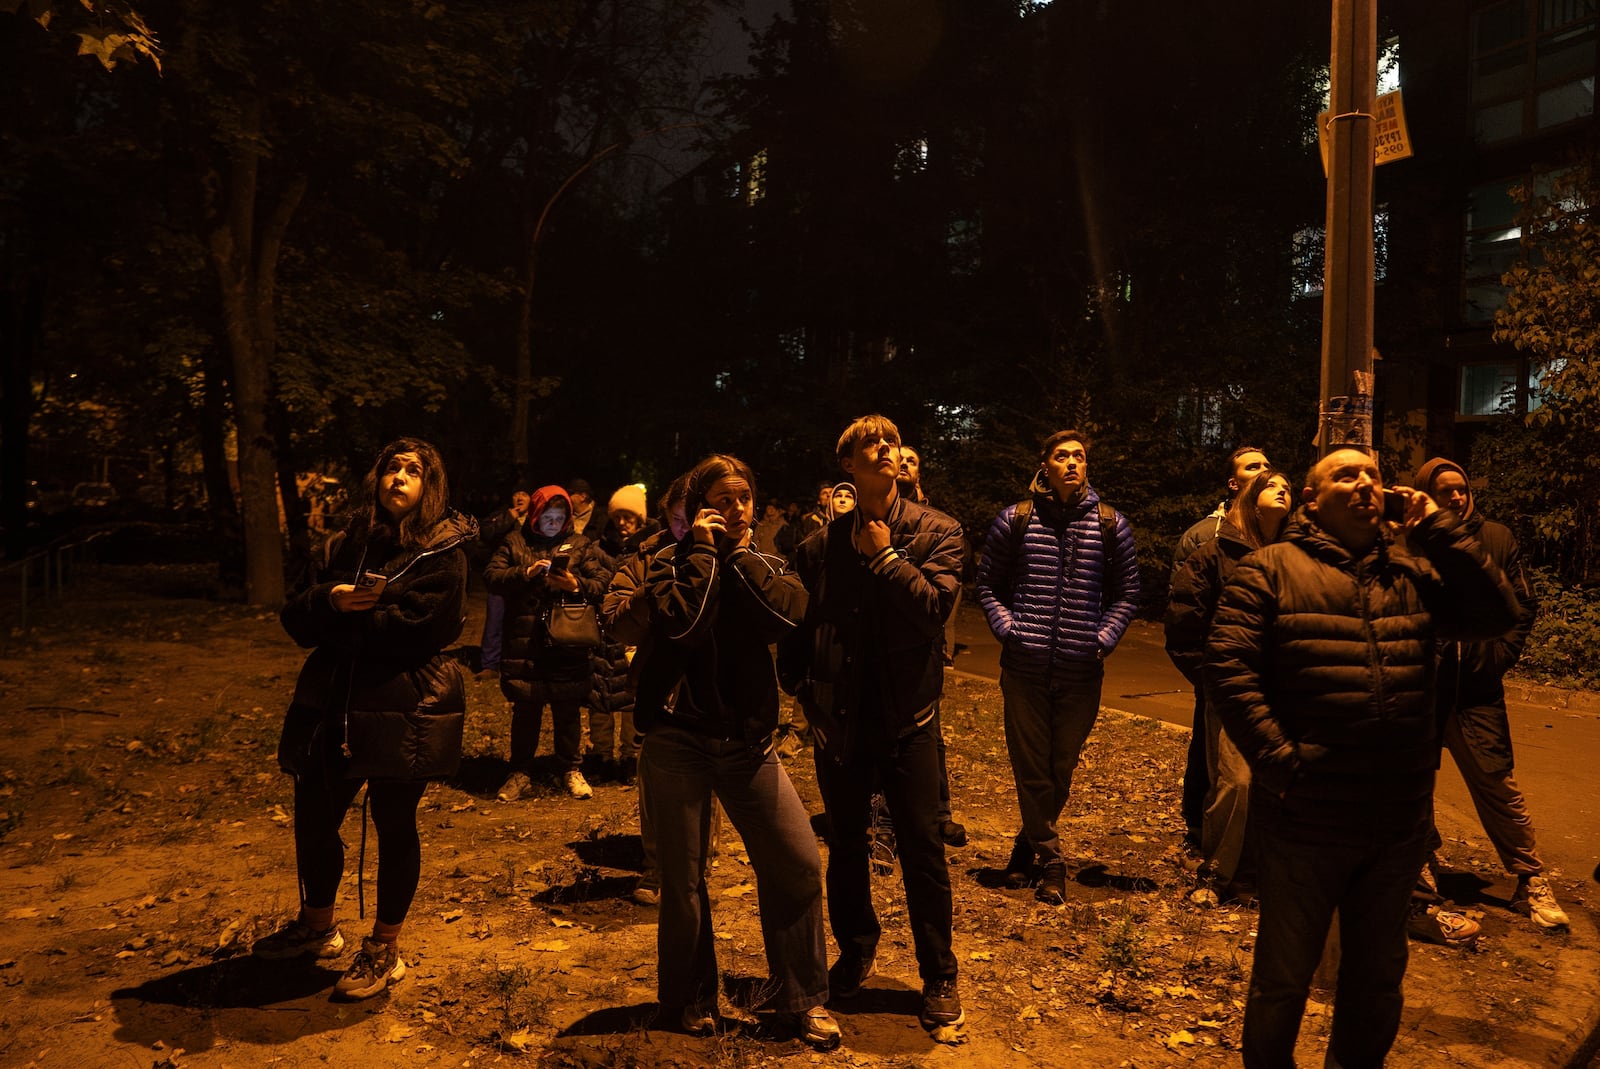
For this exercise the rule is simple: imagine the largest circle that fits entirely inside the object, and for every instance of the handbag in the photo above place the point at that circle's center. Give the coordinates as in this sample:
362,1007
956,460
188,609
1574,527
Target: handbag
573,624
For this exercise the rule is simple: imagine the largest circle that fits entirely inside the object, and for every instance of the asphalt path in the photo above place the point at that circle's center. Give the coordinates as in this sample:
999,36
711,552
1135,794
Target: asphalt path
1555,734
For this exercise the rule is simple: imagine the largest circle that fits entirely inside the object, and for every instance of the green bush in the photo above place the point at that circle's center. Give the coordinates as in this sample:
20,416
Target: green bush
1564,648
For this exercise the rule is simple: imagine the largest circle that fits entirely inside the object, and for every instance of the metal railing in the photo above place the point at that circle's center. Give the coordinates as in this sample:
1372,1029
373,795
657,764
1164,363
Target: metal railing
45,573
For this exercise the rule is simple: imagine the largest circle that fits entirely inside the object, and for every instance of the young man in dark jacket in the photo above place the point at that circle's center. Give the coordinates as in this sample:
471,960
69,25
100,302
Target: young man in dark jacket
1320,665
867,665
1472,704
1059,583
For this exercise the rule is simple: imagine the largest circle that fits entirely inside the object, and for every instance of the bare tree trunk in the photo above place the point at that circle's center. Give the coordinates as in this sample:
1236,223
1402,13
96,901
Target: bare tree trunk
522,392
246,264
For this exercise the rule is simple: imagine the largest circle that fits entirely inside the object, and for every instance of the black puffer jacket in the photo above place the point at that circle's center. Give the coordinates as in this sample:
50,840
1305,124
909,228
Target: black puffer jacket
1320,666
706,666
376,698
1196,586
872,640
530,666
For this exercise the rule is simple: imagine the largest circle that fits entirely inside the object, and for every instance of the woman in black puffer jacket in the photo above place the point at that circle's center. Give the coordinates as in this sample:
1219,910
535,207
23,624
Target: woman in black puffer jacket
539,565
376,702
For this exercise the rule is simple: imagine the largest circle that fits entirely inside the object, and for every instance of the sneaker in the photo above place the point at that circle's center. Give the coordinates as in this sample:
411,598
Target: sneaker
577,786
1442,926
952,833
517,785
1052,884
941,1005
1534,898
846,975
1019,869
377,965
697,1021
880,854
817,1028
648,891
298,940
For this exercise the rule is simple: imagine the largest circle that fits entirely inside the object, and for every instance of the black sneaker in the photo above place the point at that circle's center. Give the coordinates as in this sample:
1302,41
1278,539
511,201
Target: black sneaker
952,833
941,1005
1019,869
881,853
846,975
1052,884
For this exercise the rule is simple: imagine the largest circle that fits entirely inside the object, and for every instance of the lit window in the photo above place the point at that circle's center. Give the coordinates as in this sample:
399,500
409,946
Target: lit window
1536,377
911,157
1310,252
1533,66
755,184
1488,389
1493,240
1388,81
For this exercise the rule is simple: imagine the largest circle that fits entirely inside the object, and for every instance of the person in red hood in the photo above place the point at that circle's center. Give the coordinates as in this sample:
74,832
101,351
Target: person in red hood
537,566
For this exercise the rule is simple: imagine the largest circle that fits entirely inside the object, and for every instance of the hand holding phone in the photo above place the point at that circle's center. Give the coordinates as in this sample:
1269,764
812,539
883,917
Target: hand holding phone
1395,505
372,581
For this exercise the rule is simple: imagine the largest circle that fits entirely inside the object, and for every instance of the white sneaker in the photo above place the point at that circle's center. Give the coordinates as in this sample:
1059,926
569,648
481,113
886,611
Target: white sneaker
1534,897
577,786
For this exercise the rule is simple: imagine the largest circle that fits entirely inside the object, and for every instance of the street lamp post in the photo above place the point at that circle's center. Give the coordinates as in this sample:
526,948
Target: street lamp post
1346,412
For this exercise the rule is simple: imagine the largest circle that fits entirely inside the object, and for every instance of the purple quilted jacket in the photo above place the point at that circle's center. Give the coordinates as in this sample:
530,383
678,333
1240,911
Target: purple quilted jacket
1066,596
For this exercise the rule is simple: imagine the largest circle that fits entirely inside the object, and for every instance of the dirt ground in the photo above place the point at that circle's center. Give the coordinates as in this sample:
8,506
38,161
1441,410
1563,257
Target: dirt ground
145,841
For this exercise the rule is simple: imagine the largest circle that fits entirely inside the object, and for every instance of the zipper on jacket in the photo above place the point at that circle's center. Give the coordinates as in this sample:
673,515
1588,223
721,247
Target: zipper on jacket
1372,642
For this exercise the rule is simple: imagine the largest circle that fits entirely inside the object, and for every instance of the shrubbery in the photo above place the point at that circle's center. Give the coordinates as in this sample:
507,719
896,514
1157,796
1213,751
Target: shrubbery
1564,648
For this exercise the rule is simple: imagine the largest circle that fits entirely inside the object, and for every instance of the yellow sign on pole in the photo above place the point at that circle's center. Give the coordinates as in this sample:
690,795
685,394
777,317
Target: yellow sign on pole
1390,139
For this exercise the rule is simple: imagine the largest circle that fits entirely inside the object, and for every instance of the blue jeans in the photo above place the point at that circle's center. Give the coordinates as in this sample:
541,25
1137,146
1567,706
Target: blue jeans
494,621
907,771
1048,719
1302,880
680,771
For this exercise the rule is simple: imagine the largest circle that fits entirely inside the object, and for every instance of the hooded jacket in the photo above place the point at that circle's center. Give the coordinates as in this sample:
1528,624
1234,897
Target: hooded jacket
531,667
1320,665
1065,595
376,699
1196,586
1471,673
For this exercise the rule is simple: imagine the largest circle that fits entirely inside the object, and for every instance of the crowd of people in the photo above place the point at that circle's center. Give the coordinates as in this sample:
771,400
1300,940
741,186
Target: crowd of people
1335,649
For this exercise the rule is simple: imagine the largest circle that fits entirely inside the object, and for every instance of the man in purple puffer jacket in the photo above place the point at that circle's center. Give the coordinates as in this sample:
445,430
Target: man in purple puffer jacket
1059,582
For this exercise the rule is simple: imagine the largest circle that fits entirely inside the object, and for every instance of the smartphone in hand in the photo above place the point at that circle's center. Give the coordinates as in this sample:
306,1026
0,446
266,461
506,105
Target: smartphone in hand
372,581
1395,505
560,563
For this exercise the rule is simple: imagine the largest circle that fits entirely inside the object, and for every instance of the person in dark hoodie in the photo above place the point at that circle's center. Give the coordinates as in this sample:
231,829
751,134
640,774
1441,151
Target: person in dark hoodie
1255,519
537,566
377,702
1471,699
708,703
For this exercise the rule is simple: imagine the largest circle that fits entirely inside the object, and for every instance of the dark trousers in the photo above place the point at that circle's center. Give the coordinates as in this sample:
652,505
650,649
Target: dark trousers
1048,719
906,769
1302,880
567,718
1196,776
319,810
680,772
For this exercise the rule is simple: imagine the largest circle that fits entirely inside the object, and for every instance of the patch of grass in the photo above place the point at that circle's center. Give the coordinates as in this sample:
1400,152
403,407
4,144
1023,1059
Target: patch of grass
521,1000
1122,949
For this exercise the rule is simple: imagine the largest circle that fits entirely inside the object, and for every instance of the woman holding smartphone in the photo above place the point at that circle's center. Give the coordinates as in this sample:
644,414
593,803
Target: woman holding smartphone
537,566
377,702
708,703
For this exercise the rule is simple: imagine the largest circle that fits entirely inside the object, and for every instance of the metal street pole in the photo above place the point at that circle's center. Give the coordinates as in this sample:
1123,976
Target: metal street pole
1346,415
